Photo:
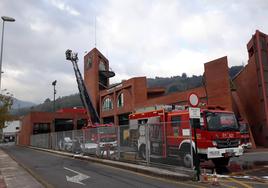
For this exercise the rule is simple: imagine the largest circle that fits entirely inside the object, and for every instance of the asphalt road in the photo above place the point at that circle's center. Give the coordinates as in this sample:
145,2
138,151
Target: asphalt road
52,170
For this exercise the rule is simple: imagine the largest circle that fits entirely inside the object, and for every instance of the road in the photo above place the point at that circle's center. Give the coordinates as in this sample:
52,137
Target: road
55,171
52,170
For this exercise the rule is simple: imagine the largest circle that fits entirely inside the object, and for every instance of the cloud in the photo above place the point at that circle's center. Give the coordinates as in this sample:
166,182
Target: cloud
63,7
140,38
174,35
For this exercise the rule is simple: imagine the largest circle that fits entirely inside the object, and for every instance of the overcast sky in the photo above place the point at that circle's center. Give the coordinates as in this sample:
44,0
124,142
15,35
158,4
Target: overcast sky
139,37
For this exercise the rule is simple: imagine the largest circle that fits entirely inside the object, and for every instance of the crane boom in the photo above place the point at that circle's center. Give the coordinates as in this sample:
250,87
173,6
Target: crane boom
91,111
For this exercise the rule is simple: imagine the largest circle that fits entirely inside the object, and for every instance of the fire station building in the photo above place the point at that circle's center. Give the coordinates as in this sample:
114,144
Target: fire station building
46,122
246,94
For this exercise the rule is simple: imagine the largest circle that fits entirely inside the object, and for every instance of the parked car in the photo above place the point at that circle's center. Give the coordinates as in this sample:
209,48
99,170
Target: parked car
67,144
105,147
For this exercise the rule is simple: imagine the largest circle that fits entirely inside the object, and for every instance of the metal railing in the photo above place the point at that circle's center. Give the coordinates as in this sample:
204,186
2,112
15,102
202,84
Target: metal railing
147,144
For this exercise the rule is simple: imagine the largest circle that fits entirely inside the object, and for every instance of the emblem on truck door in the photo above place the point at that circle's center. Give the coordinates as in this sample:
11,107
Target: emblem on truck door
228,142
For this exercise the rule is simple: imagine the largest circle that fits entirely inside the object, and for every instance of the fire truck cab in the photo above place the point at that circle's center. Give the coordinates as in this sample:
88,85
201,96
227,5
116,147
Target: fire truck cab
170,132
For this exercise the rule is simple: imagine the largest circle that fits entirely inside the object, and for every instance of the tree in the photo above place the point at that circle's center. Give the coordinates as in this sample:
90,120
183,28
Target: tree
184,75
172,88
6,102
47,100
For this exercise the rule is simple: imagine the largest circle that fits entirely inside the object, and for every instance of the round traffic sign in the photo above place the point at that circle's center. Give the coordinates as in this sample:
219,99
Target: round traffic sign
193,99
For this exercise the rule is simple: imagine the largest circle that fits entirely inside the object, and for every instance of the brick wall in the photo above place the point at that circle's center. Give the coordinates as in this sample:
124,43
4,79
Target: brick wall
218,83
251,88
29,120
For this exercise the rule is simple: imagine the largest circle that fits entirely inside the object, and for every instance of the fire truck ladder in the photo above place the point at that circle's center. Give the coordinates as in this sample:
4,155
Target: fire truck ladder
91,111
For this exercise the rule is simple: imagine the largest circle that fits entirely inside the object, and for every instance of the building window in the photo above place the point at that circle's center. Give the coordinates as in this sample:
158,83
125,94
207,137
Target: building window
40,128
89,63
102,66
107,104
120,100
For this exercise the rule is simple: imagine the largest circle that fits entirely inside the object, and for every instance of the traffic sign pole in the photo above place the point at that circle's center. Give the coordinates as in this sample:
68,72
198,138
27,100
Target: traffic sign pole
194,113
196,161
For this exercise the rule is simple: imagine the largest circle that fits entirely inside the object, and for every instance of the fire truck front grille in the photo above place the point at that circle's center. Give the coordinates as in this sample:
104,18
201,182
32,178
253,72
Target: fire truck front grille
227,143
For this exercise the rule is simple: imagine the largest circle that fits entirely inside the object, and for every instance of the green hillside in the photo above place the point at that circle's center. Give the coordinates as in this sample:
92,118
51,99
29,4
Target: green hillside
171,84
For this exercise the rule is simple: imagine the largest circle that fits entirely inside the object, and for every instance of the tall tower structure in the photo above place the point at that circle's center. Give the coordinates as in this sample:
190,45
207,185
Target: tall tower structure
252,87
96,75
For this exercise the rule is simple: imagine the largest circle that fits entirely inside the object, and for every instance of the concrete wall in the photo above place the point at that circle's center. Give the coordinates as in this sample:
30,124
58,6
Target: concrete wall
11,127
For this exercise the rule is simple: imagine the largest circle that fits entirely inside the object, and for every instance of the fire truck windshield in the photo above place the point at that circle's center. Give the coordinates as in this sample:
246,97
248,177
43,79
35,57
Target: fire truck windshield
106,130
107,134
108,139
221,121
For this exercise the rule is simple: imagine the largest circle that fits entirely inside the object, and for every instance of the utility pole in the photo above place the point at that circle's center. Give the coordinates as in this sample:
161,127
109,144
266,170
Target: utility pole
54,86
5,19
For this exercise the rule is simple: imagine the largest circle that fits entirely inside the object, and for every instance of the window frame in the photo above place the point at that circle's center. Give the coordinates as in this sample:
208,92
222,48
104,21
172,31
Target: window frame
120,100
107,104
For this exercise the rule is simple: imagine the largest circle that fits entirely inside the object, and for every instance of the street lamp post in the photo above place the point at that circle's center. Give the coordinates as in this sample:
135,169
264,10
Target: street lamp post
54,86
5,19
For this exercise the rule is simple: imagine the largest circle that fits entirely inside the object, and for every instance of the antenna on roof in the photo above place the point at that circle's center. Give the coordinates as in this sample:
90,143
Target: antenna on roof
95,33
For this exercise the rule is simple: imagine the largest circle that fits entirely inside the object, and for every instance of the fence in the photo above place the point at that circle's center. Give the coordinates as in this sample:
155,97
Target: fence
167,144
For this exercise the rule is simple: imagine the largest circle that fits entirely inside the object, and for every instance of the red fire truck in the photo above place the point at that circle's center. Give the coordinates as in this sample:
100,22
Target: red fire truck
218,136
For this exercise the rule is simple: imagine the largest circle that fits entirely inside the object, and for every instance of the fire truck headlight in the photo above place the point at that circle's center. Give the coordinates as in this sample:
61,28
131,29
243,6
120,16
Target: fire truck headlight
239,142
214,143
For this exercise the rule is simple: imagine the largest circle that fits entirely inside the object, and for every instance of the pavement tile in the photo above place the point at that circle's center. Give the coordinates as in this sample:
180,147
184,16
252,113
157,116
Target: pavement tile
13,175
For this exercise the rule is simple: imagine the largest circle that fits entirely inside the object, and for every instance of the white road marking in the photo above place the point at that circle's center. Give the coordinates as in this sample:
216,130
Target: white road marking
77,178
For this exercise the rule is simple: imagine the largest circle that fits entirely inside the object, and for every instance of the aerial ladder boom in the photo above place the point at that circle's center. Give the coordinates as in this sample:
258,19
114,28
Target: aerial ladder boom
91,111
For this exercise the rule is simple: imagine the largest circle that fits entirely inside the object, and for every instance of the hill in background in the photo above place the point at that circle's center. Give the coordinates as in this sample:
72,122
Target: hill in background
171,84
17,103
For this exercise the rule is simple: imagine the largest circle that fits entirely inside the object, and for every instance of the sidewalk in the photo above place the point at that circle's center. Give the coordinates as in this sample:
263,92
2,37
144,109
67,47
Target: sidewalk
257,150
12,175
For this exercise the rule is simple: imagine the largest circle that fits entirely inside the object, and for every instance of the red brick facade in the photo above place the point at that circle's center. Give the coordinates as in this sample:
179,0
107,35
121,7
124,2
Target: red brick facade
216,91
28,122
92,61
251,87
137,95
218,83
248,97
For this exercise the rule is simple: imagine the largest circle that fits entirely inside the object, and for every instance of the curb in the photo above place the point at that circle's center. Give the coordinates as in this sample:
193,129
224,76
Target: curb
34,175
152,171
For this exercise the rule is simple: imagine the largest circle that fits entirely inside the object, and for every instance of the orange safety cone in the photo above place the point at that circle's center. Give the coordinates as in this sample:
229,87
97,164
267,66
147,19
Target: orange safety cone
204,177
215,181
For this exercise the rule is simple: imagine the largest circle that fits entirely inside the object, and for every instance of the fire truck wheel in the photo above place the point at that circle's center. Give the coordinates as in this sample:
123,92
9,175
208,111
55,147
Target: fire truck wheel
185,155
221,162
142,152
187,158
